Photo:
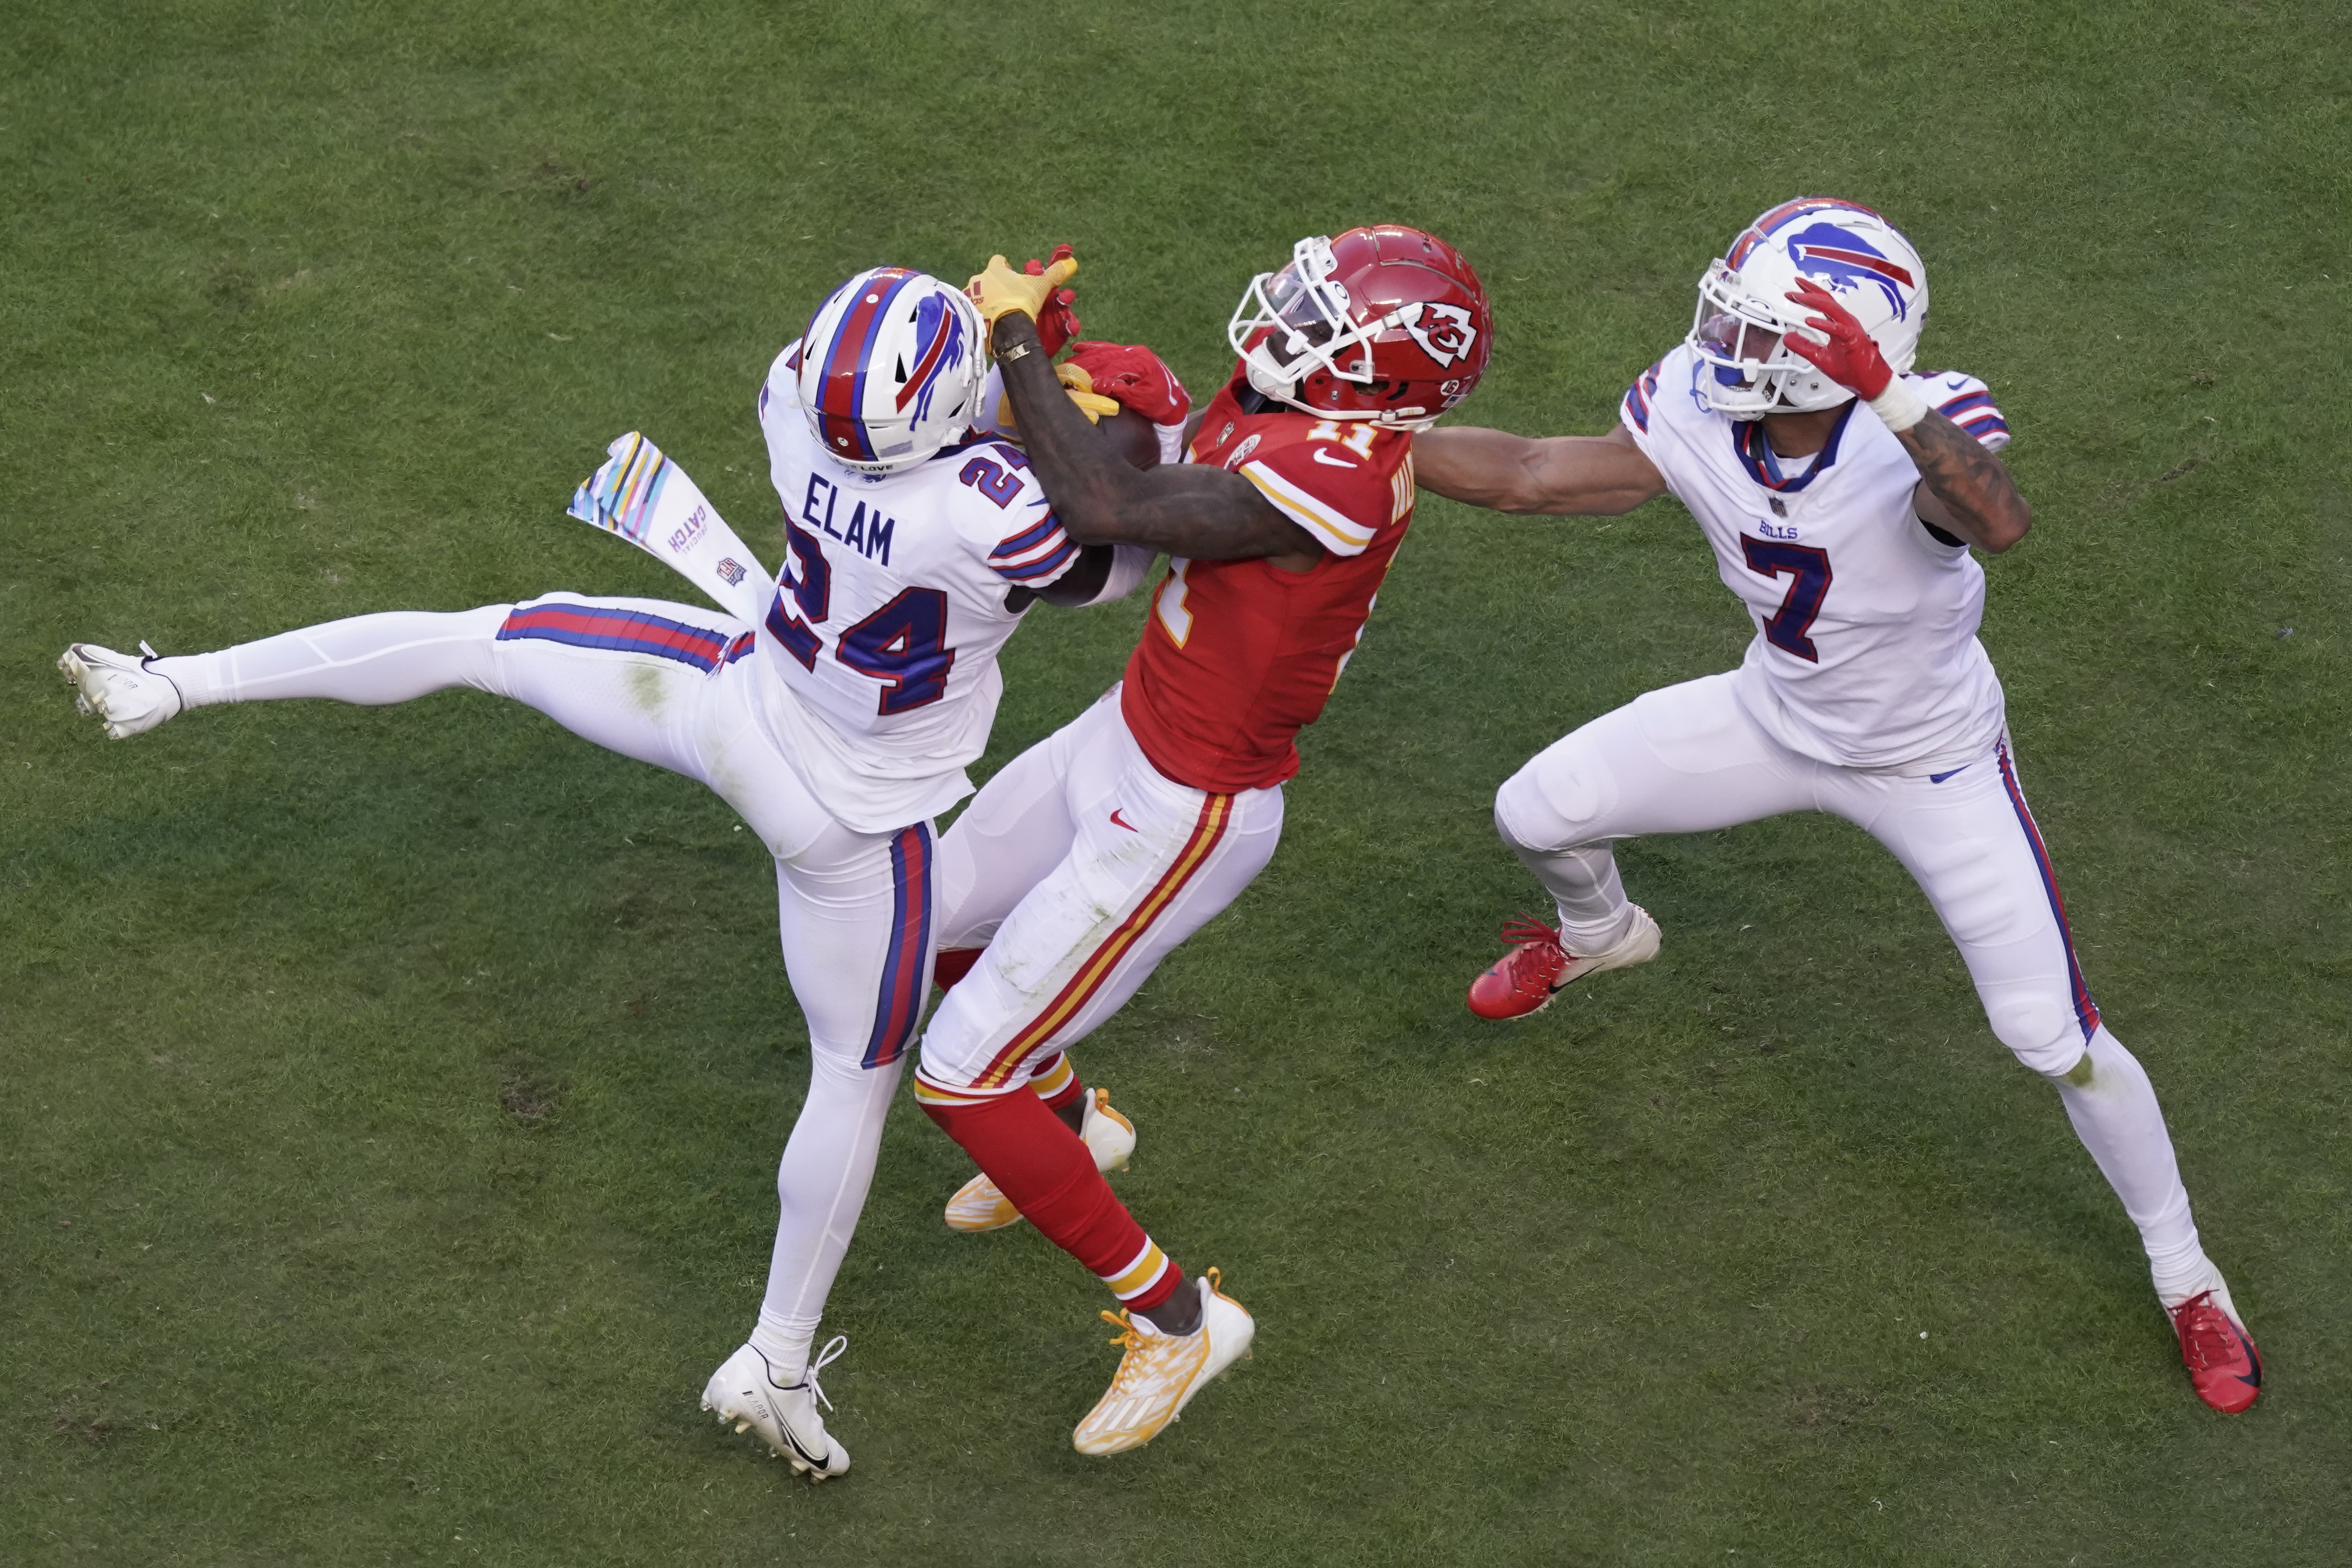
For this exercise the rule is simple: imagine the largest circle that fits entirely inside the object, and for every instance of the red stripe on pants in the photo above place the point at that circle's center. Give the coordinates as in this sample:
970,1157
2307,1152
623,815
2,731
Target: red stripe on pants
1049,1173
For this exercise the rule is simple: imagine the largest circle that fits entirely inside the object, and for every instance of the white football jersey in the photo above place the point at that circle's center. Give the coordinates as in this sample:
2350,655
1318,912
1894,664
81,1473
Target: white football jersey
889,610
1865,653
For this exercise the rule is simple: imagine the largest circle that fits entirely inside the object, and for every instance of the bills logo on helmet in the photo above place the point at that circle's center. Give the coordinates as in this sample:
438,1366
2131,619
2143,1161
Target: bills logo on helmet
939,345
1443,331
1844,260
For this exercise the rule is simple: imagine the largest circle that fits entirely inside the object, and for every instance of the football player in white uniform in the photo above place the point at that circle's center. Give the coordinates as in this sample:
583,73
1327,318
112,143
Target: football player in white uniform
1841,495
837,728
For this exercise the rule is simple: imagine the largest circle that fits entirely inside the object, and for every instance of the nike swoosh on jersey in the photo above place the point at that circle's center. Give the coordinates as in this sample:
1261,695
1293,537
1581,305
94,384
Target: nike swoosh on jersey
1323,457
1118,821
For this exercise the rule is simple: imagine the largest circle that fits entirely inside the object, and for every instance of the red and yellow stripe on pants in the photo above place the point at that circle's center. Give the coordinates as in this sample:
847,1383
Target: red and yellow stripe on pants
1216,814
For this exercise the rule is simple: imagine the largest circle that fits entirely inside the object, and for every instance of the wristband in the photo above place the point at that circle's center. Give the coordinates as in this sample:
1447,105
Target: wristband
1899,408
1023,351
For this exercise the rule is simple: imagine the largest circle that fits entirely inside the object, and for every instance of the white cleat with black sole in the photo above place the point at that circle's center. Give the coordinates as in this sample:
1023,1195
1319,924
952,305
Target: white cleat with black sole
746,1393
118,688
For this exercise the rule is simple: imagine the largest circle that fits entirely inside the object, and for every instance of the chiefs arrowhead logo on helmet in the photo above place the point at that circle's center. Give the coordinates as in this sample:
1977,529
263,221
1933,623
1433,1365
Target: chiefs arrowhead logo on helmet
1443,331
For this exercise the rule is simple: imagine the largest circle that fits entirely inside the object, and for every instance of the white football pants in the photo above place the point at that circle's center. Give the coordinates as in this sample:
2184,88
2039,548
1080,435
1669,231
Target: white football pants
1079,866
678,686
1687,759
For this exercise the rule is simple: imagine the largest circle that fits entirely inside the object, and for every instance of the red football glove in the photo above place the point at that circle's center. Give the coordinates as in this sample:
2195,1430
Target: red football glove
1850,358
1134,377
1056,322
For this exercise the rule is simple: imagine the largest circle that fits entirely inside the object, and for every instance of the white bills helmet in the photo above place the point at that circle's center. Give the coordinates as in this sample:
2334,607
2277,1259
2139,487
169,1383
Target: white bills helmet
1744,311
889,369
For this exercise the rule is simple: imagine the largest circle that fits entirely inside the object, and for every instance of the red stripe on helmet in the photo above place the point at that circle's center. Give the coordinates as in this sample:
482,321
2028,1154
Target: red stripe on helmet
1753,234
841,385
1861,259
929,361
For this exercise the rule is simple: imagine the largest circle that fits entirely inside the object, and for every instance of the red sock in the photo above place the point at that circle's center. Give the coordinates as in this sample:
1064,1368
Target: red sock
1048,1172
953,964
1055,1081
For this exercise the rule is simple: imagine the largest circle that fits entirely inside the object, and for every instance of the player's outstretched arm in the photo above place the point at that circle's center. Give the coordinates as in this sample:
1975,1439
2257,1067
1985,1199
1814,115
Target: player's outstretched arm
1206,514
1963,488
1561,476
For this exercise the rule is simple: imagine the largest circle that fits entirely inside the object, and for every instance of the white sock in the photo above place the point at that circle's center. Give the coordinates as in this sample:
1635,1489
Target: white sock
785,1346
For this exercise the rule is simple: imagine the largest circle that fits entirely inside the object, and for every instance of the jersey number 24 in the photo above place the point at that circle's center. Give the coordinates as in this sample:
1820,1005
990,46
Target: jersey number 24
903,645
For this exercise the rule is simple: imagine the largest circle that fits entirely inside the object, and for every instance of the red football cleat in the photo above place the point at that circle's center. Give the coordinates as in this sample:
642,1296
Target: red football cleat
1519,983
1527,978
2224,1367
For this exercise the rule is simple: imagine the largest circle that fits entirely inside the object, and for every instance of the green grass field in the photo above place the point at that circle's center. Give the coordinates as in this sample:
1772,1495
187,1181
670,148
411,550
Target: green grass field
389,1100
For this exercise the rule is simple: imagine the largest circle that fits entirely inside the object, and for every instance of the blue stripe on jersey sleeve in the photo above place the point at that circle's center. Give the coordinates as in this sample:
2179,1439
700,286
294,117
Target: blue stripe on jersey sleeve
1028,539
1045,567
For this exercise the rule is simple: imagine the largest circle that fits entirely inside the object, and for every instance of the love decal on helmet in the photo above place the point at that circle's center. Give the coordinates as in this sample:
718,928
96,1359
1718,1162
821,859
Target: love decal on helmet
889,369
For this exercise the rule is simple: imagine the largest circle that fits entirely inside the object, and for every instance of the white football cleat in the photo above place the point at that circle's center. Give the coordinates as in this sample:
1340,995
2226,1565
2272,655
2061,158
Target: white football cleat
1161,1372
745,1392
119,689
978,1205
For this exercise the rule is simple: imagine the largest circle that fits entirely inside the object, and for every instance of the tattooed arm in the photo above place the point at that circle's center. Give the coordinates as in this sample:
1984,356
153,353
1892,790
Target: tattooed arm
1964,489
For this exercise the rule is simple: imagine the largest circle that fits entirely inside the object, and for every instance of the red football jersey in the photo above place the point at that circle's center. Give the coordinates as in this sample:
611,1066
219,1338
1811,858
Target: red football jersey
1238,656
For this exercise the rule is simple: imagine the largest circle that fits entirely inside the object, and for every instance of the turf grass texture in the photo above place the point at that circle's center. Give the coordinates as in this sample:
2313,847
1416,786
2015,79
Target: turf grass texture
392,1097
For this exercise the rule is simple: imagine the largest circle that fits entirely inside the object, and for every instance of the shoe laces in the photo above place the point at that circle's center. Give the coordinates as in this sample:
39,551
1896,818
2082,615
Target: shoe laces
1529,939
2208,1337
1144,1366
824,1358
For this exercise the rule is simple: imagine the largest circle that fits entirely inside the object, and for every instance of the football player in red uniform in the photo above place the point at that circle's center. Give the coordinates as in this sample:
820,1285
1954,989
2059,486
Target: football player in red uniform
1091,856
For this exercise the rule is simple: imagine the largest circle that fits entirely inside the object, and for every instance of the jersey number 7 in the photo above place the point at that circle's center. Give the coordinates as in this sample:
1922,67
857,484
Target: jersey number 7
1807,570
903,645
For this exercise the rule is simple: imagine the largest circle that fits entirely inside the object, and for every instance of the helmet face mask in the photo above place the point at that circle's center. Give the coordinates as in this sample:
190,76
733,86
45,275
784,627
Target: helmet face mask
1290,321
1744,319
890,370
1385,324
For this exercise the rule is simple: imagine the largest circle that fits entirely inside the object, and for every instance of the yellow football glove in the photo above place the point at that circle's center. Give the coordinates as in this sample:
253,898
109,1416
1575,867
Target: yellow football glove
1080,387
1000,289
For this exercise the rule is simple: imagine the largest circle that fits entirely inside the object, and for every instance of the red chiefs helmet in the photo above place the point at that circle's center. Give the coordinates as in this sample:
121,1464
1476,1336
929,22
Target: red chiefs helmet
1384,323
